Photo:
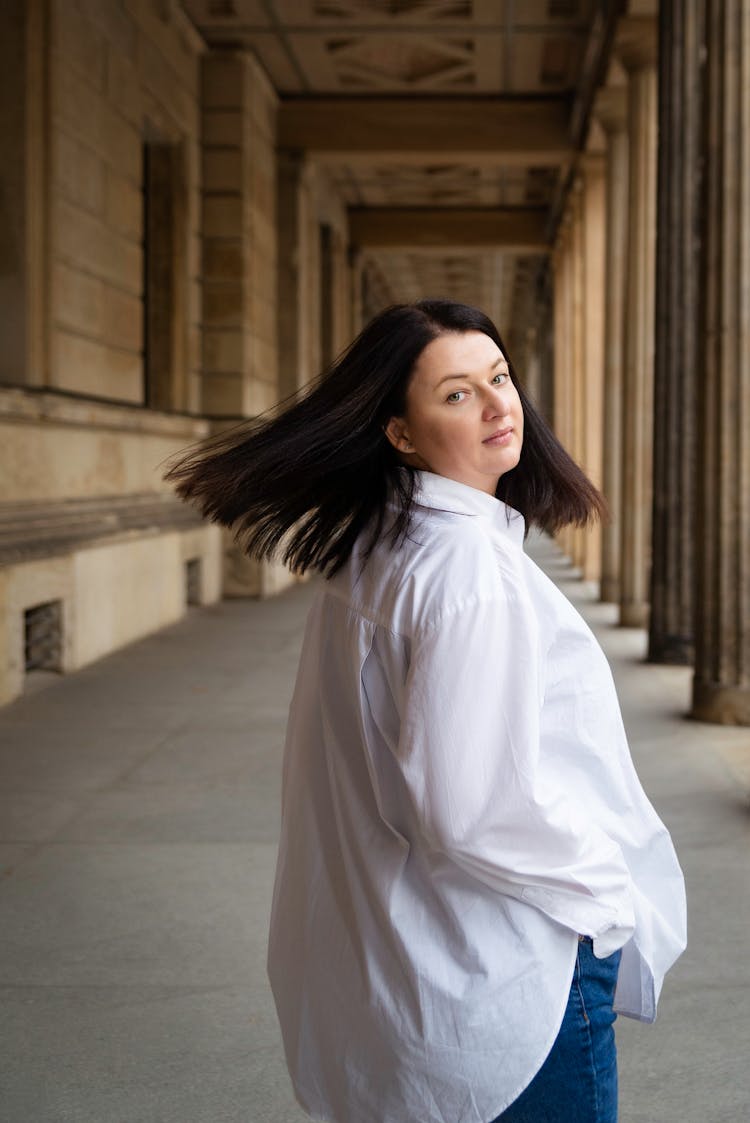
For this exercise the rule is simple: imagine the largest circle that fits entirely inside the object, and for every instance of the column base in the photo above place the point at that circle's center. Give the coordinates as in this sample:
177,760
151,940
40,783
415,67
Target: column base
610,590
244,576
721,705
677,650
634,614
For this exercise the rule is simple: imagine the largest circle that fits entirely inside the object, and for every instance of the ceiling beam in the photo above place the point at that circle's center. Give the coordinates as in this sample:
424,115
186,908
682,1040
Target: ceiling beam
499,131
514,229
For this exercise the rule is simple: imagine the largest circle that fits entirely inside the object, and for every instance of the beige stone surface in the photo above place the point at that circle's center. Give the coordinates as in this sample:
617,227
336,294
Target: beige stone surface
76,39
123,204
222,215
222,393
247,577
89,367
111,593
238,210
223,350
84,242
55,447
122,323
221,126
222,304
79,171
121,591
260,396
80,298
119,75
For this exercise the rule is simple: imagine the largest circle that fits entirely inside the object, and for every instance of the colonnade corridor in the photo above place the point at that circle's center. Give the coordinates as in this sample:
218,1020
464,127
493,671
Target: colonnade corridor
140,808
202,203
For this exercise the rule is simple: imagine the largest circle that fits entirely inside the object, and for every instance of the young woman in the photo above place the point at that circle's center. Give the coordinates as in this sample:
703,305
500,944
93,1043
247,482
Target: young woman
470,879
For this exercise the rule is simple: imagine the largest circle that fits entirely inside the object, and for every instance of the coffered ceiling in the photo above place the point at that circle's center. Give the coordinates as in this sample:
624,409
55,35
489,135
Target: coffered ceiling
405,46
478,52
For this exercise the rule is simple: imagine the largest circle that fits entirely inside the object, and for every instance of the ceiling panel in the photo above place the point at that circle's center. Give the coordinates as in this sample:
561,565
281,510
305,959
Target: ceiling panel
420,47
441,46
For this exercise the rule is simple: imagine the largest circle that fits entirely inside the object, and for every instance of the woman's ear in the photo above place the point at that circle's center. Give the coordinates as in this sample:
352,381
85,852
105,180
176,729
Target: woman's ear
397,434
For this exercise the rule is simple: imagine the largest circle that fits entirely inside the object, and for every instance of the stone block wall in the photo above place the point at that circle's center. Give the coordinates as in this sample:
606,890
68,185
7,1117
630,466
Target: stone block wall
58,447
147,282
120,75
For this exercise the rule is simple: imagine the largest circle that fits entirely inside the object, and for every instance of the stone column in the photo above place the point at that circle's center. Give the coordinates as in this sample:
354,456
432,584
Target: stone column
355,262
577,353
562,322
721,685
545,339
610,109
298,273
566,397
636,47
340,334
678,367
239,371
592,366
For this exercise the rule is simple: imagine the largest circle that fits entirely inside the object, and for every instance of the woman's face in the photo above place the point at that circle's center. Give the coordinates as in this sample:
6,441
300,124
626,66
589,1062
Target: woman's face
463,416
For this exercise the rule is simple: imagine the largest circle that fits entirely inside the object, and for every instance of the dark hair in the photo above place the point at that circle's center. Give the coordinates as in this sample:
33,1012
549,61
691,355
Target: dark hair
318,469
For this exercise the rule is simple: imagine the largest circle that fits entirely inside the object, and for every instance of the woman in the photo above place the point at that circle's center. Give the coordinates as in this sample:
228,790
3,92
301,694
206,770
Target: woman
470,879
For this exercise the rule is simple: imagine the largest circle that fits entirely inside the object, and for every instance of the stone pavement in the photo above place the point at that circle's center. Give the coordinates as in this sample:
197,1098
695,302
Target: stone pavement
139,811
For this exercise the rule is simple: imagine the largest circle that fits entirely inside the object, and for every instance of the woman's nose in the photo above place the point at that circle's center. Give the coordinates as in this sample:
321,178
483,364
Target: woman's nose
497,404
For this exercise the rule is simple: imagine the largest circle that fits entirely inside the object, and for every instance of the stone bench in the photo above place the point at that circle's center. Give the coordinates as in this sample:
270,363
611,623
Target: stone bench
39,529
80,578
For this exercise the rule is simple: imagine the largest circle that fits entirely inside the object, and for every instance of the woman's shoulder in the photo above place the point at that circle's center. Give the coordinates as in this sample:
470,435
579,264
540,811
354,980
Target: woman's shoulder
446,560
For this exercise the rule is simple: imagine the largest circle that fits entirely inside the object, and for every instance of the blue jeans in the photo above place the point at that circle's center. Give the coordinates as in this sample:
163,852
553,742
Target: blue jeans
578,1081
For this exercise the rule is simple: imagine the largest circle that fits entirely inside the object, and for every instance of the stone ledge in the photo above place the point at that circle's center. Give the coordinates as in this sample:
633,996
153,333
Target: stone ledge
33,530
32,405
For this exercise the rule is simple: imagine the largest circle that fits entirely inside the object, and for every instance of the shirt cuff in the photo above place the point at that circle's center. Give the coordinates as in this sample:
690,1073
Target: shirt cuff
612,939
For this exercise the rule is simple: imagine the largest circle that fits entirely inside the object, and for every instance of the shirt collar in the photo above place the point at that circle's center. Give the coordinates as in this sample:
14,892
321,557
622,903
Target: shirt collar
443,494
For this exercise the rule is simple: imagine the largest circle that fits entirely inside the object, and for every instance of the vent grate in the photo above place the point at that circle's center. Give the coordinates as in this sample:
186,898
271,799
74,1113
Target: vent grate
43,637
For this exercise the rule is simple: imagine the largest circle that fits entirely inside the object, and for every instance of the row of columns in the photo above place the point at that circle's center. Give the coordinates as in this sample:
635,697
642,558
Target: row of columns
578,265
652,336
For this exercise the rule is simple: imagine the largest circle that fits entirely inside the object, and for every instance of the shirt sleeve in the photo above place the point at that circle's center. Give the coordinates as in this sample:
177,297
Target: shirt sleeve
469,751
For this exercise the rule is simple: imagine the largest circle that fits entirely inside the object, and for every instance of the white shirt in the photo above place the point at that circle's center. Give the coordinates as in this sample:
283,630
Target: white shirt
458,804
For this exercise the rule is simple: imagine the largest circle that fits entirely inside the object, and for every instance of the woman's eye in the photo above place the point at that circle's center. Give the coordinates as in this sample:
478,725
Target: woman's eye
500,375
456,396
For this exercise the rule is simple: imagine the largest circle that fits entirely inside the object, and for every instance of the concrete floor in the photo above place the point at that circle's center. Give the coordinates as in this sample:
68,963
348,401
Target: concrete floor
139,810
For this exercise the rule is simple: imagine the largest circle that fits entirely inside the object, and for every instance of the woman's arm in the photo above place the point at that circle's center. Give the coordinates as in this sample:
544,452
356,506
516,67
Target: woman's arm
469,751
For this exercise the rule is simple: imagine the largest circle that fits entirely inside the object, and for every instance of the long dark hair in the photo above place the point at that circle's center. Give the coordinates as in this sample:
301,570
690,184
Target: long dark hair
307,478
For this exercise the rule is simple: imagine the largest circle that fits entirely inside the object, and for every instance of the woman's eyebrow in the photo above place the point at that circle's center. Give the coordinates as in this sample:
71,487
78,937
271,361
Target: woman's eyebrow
464,374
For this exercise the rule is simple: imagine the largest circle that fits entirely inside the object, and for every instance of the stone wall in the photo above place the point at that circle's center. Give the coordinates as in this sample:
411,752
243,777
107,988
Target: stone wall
58,447
147,282
120,77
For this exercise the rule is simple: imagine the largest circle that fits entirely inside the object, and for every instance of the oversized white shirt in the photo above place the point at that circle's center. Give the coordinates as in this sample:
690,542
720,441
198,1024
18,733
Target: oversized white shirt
458,804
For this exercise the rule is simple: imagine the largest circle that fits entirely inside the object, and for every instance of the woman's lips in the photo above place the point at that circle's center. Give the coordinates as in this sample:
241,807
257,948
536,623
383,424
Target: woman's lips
501,437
